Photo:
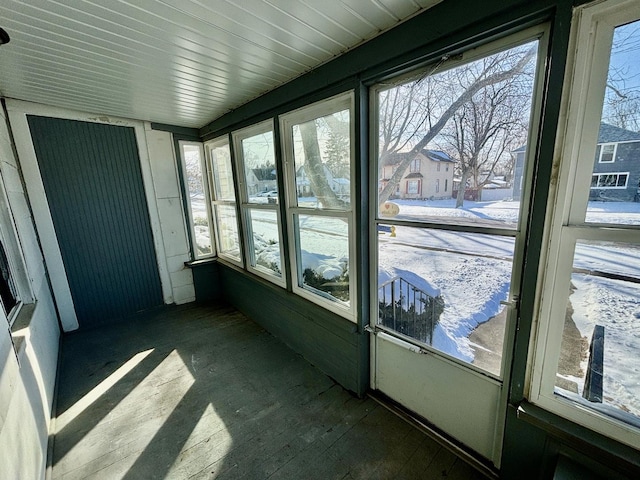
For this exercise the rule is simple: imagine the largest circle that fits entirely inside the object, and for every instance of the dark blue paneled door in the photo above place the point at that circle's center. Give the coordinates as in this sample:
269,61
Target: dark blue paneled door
93,182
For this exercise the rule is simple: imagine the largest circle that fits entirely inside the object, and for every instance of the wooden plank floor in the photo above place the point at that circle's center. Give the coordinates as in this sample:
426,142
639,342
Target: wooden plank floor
203,392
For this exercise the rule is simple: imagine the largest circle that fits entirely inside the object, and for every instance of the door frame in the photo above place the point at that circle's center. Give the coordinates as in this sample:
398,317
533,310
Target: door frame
18,111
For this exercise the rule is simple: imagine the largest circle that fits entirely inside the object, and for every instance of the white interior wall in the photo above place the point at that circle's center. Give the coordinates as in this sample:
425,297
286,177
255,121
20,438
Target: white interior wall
27,378
172,223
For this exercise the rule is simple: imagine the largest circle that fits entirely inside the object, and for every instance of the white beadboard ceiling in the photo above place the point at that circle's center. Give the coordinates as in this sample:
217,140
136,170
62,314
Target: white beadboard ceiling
179,62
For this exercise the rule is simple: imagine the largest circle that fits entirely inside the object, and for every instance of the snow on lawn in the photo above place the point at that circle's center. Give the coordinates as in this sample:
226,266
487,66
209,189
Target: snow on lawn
472,284
615,304
502,212
506,212
465,282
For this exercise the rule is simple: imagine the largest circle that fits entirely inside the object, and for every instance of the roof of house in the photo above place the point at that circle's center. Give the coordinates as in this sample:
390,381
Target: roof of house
264,173
415,175
433,155
437,156
611,134
607,134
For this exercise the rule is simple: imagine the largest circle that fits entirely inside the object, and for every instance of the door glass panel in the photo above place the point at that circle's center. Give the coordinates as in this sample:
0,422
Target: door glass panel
463,165
324,255
258,157
598,364
228,231
444,289
614,197
264,240
322,155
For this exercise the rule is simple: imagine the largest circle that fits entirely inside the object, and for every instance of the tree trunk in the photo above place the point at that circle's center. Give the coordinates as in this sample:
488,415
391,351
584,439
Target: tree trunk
315,169
462,188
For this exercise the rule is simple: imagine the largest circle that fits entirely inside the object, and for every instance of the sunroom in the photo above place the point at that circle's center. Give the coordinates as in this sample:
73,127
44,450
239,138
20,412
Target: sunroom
354,239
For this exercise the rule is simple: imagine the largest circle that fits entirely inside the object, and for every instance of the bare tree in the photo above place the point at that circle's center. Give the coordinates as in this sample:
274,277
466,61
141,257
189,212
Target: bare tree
485,130
403,123
622,96
621,103
194,172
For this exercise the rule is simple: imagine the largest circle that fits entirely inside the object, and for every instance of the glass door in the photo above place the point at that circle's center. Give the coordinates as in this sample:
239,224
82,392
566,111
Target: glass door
452,148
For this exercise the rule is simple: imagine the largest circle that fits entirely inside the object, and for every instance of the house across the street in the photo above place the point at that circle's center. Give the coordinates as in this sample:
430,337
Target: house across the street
430,175
616,172
616,169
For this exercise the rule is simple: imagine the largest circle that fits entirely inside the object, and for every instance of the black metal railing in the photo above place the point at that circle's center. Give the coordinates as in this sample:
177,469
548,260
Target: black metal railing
408,310
593,384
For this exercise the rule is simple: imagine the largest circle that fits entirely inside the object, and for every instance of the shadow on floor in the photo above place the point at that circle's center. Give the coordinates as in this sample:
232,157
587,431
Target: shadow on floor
202,392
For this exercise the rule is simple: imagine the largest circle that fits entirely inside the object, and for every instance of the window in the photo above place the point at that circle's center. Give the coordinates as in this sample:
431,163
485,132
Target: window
15,288
224,200
318,153
415,166
413,187
443,274
608,152
609,180
197,193
8,293
256,161
588,337
438,167
446,184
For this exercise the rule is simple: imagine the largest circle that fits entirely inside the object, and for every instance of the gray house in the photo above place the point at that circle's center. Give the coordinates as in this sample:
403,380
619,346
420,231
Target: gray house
616,168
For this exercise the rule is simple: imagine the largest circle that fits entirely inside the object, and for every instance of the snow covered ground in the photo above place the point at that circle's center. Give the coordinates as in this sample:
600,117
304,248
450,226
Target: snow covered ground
473,285
472,272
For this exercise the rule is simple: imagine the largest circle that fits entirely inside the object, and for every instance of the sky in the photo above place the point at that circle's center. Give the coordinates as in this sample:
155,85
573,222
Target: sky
624,66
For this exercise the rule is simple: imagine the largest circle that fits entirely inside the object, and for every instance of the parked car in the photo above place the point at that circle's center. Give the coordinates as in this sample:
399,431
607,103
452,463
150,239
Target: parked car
269,194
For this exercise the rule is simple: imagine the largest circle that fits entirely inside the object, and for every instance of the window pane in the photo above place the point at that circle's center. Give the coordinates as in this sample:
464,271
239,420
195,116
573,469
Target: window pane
265,240
601,371
7,287
622,180
197,199
324,255
606,154
228,231
483,140
259,160
444,289
222,173
616,200
322,155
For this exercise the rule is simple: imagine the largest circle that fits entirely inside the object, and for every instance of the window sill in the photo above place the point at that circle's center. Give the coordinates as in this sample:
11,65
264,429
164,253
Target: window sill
594,445
203,261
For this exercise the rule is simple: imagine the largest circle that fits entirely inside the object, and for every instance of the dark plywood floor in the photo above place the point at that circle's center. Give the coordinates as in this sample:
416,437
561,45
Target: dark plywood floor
203,392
